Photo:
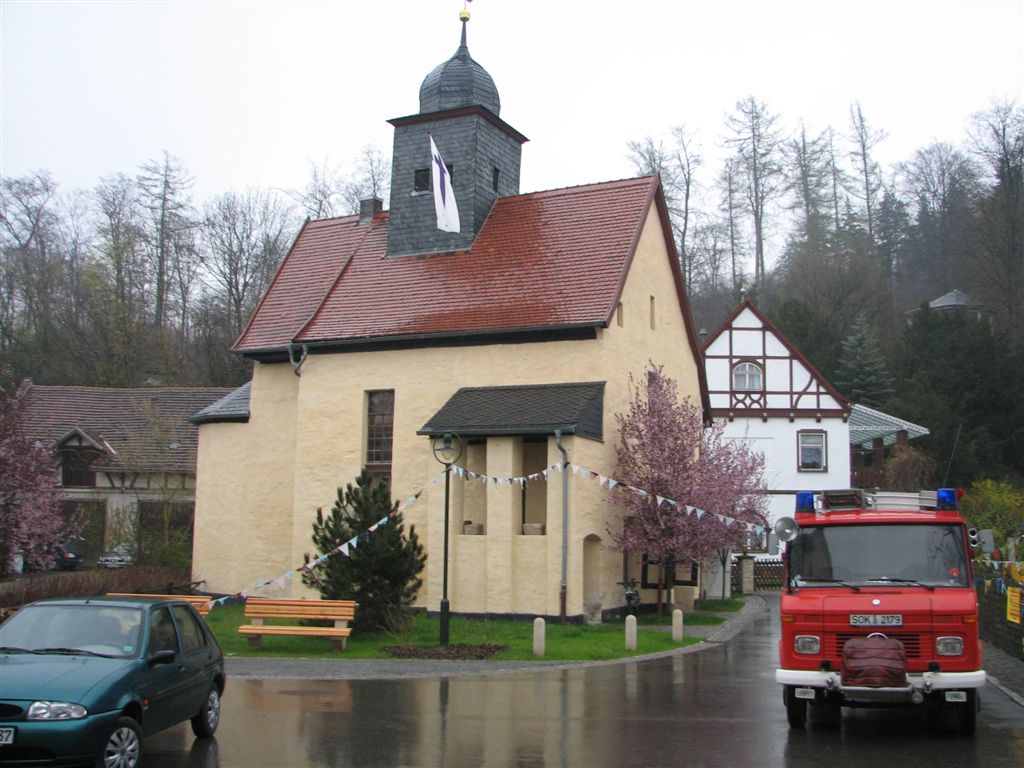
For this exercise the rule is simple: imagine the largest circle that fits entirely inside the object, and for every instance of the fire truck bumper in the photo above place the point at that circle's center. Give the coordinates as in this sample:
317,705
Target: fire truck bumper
808,684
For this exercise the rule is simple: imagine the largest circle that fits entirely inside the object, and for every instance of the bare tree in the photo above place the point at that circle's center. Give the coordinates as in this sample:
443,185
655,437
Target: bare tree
245,237
998,137
371,177
756,143
727,181
31,270
163,189
944,183
113,342
868,171
321,197
809,166
677,165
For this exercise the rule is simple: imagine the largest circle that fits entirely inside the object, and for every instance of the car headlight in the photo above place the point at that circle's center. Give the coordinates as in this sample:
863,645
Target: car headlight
807,644
949,646
56,710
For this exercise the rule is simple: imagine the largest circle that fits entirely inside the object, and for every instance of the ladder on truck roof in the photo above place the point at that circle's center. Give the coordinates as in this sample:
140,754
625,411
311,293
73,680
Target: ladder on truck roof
902,500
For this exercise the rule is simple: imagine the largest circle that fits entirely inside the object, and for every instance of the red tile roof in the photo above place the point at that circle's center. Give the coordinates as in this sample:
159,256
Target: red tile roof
144,429
543,260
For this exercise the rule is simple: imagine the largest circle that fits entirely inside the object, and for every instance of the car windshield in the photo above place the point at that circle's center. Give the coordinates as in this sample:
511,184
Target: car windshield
930,555
102,630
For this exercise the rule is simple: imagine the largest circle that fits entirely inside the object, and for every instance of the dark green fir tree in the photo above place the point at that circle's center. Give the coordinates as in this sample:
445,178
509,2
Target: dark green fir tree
863,376
382,571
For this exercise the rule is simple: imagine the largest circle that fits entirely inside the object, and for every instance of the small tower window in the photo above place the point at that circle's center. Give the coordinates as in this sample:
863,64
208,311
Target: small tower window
495,175
746,377
421,180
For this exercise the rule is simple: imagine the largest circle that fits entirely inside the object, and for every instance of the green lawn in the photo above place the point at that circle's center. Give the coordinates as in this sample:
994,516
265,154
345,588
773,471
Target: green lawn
568,642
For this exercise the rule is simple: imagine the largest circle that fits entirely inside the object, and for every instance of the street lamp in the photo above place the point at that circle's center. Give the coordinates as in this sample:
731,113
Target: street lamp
447,450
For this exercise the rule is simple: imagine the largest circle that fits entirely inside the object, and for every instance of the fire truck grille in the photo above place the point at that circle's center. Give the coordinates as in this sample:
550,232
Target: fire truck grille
911,642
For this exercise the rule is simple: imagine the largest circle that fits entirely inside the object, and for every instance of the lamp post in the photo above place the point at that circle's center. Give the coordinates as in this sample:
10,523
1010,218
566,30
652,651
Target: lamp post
447,450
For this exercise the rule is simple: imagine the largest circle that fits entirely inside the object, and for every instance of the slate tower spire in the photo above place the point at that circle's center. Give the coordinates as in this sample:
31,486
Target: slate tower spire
459,108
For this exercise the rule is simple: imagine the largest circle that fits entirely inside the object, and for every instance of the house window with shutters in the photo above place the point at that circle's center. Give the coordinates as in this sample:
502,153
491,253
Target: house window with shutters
380,421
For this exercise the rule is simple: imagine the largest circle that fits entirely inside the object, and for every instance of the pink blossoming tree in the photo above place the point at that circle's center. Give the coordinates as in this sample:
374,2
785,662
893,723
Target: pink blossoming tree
666,451
30,517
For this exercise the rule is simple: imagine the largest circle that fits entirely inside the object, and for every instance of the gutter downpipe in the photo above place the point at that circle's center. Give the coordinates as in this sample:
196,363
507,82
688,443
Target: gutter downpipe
297,364
565,524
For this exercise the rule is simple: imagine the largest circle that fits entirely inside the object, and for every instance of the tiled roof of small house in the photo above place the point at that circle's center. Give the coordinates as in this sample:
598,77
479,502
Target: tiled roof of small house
543,261
146,429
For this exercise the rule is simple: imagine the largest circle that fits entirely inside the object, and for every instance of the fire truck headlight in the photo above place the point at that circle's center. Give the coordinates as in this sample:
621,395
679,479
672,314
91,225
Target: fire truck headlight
949,646
807,644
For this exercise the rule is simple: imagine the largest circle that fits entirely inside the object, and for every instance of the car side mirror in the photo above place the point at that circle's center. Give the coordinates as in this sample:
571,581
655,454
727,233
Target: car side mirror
160,657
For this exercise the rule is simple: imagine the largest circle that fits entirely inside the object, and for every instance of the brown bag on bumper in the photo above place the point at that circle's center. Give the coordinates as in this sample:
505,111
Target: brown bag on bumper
874,662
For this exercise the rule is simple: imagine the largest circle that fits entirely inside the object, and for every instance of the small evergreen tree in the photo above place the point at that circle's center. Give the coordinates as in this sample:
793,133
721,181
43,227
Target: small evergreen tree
381,572
862,375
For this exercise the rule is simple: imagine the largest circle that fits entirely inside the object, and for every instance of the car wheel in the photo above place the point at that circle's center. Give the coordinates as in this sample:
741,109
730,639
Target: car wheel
124,745
205,723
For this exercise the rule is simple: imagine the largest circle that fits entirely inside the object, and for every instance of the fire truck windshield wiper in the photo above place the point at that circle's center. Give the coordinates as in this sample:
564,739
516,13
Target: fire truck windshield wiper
841,583
892,580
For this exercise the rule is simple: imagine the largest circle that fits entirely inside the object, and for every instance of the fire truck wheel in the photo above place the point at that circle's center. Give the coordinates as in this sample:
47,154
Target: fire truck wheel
796,709
967,714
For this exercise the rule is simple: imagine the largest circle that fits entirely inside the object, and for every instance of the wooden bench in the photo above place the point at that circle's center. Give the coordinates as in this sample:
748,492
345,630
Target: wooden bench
200,602
258,609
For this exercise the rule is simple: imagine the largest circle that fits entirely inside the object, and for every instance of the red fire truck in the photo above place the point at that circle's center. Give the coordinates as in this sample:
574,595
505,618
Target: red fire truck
878,607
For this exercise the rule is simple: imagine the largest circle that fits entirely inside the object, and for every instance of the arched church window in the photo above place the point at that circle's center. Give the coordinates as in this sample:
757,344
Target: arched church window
746,377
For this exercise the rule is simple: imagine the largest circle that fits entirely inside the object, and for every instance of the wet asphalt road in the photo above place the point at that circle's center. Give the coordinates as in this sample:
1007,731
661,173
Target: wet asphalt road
717,707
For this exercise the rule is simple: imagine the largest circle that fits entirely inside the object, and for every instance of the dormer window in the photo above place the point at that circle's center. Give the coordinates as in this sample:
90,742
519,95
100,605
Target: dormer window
76,467
746,377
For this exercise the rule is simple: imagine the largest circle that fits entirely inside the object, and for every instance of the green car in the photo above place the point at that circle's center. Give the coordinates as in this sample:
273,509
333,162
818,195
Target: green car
85,680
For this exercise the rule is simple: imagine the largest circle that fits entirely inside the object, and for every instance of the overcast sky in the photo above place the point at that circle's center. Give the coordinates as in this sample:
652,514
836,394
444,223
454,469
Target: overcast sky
249,93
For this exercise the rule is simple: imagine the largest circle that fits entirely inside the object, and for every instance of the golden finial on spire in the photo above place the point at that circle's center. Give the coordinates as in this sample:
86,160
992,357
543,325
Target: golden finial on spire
464,13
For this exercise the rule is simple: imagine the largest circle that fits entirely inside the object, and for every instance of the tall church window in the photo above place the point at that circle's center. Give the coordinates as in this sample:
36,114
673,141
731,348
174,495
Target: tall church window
421,180
746,377
380,421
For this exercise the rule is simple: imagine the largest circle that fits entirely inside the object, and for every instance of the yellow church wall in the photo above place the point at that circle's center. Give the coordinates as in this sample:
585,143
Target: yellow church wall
245,515
261,483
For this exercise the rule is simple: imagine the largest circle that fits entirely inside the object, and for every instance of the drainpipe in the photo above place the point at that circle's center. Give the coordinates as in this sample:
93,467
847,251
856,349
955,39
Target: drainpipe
565,522
297,364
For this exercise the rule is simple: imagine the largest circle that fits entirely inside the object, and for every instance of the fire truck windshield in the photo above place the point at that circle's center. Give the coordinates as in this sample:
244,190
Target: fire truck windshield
927,555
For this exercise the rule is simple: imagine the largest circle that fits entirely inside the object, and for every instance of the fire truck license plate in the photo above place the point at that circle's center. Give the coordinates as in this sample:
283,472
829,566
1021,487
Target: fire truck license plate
876,620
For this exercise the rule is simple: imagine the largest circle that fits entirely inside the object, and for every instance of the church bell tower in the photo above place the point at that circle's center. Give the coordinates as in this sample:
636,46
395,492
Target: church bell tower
459,108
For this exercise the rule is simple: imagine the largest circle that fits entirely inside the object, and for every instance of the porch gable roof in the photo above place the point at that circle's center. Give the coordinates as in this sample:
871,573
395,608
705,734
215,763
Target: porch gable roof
534,409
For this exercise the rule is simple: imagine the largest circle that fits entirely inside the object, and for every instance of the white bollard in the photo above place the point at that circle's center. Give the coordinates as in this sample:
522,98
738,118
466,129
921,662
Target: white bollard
538,636
631,632
677,626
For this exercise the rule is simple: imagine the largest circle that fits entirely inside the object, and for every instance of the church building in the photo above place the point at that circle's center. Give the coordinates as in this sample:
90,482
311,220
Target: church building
510,323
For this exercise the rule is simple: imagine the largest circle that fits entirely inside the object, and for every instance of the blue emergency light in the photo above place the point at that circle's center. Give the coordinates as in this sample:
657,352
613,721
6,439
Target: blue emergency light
945,498
805,501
